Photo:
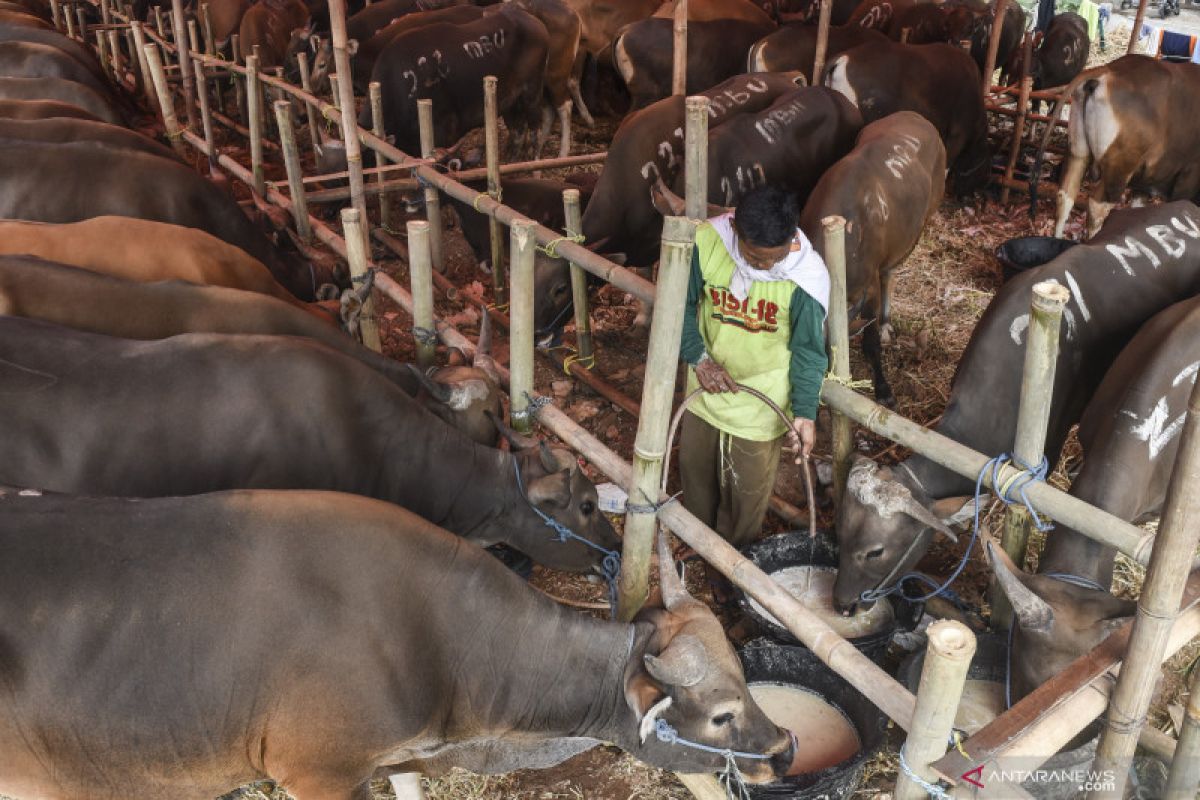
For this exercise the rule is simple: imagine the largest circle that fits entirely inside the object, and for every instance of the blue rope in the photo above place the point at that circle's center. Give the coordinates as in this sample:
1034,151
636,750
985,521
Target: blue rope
1027,476
930,788
610,567
731,778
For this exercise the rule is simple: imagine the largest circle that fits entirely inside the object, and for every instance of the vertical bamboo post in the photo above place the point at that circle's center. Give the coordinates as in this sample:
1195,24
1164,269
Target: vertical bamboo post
341,57
520,314
210,146
105,13
1033,419
573,215
1185,766
72,22
695,171
491,141
254,120
1136,33
662,360
81,13
56,14
679,52
139,49
239,94
102,53
433,200
357,258
334,95
375,97
822,41
1018,135
157,74
291,161
420,278
210,44
310,110
1000,8
193,36
833,230
114,48
947,657
904,34
1170,562
158,22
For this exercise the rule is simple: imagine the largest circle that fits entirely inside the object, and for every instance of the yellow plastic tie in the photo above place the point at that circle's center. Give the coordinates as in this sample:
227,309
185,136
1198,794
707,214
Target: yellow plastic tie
501,308
550,248
475,202
958,745
575,358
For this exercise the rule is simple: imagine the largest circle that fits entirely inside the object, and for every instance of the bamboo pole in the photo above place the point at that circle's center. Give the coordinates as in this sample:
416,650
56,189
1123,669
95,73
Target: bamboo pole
947,657
1136,31
193,36
834,232
239,96
56,14
1033,420
158,22
650,445
310,110
822,41
210,148
71,20
520,340
139,49
491,141
334,94
105,14
1185,766
1157,607
341,58
1155,743
696,160
114,49
210,44
1017,136
102,54
1000,9
433,200
375,98
170,122
254,120
291,161
420,279
584,348
357,256
81,13
679,32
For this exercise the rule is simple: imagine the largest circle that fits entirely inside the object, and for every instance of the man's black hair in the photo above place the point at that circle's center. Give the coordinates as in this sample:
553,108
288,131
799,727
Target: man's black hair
766,216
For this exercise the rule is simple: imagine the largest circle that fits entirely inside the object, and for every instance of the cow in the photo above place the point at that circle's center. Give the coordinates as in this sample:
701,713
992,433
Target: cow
317,639
42,109
1059,57
600,22
878,14
794,47
886,189
468,397
938,81
717,10
24,20
1130,434
135,185
225,18
376,16
66,130
293,414
55,39
561,80
1012,32
63,91
1141,262
447,63
278,28
716,51
35,60
1124,116
927,23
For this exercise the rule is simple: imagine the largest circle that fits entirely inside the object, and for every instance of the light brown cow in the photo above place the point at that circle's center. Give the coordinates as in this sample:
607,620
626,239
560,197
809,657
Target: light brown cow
226,18
142,250
562,79
602,20
710,10
1132,117
278,27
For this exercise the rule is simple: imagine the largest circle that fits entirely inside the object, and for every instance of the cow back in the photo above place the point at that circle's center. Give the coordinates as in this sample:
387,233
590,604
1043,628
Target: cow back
63,91
794,47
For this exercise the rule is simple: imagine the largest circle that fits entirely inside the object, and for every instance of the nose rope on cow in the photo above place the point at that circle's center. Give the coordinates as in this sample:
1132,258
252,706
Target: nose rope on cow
611,565
1018,482
731,777
1065,577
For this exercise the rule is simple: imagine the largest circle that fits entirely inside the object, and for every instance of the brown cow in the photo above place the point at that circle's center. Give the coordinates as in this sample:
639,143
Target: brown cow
601,21
142,250
43,109
794,47
278,27
1126,116
561,83
226,18
885,189
714,10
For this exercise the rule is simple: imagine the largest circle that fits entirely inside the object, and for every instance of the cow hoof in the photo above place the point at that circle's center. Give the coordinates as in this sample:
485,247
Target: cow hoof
886,333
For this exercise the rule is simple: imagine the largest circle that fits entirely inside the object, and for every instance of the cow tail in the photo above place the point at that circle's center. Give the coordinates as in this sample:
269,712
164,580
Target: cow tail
1036,173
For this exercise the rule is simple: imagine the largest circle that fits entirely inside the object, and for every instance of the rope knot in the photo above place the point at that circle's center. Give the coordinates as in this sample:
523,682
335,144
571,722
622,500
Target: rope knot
551,247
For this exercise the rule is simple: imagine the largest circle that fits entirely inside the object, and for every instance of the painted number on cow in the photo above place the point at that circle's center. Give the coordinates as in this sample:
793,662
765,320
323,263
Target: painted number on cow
732,98
1159,428
903,153
1168,240
430,70
485,45
665,153
772,126
747,178
877,16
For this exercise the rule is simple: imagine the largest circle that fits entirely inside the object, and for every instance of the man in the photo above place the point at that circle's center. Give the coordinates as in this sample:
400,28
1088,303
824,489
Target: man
755,315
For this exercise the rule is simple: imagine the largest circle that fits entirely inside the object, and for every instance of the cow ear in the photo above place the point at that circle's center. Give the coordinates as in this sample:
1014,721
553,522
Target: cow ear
646,700
553,490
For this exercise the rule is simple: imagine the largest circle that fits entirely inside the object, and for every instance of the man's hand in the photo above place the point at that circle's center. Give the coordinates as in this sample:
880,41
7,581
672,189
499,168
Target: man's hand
713,378
803,436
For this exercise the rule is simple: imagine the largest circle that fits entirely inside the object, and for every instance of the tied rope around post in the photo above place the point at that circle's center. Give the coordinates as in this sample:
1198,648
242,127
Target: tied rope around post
424,335
551,247
848,382
1019,482
930,788
731,777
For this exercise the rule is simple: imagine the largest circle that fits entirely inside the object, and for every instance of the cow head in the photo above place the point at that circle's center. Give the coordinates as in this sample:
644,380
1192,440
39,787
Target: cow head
322,63
1056,621
466,397
885,526
555,485
688,676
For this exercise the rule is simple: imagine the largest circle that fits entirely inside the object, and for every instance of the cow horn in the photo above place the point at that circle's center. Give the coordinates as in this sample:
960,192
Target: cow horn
673,591
682,663
483,351
516,440
922,514
1034,613
440,391
552,461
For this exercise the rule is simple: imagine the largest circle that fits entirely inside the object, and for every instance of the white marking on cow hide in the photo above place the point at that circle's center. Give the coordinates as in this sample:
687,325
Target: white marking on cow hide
903,154
624,65
838,80
1133,248
1168,240
880,212
1100,120
886,497
463,394
774,122
1187,372
1078,295
718,106
1154,430
646,727
754,62
1193,227
1016,330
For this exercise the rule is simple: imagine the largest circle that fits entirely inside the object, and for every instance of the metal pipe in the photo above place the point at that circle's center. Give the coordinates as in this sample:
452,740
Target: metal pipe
291,161
584,348
491,141
695,171
943,675
520,340
357,256
1033,420
833,229
658,392
420,281
433,200
1170,562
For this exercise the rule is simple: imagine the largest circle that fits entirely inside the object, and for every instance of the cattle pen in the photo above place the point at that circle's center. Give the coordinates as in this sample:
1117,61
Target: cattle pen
162,56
